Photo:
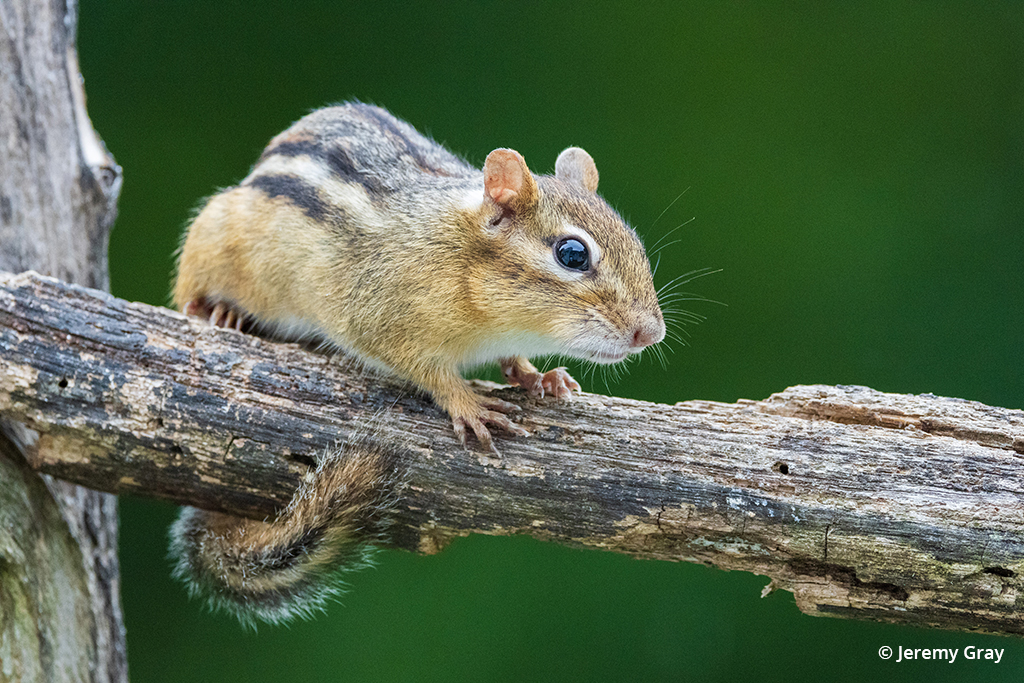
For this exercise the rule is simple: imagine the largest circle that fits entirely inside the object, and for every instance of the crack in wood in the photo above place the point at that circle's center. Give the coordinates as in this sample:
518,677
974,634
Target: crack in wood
847,576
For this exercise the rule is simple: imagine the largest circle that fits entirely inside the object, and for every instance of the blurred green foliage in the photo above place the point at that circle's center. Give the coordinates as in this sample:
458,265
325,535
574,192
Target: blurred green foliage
855,169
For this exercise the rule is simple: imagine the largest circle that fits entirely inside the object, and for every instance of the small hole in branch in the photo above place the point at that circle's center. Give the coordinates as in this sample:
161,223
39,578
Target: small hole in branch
1000,571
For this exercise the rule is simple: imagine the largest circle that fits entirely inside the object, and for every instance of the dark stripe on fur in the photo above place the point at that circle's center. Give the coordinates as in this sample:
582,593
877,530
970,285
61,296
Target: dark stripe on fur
295,190
285,557
337,159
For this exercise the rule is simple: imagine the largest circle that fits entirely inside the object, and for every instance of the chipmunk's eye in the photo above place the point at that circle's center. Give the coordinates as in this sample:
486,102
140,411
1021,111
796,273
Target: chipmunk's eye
572,254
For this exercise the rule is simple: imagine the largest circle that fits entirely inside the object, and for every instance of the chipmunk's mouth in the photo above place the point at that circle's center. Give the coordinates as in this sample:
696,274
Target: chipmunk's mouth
606,357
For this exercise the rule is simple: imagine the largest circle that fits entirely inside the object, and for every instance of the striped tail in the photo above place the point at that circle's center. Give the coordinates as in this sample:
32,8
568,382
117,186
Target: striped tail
274,571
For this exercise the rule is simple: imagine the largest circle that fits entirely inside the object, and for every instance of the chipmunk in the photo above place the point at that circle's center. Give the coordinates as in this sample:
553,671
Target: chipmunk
355,230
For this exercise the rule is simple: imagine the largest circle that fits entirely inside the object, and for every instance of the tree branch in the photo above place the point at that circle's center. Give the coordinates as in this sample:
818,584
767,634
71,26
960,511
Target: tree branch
863,504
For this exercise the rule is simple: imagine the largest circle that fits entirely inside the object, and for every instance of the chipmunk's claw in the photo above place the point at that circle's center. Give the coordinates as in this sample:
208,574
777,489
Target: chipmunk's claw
487,414
559,383
219,314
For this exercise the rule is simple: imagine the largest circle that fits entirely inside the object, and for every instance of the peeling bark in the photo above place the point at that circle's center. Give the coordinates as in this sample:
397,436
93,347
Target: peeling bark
863,504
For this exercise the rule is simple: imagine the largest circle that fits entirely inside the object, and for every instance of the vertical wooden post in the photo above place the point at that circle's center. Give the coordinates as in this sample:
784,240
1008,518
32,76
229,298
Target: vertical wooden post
60,614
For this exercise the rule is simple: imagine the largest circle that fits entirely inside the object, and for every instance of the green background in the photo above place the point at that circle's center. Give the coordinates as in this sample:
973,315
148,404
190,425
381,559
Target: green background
855,170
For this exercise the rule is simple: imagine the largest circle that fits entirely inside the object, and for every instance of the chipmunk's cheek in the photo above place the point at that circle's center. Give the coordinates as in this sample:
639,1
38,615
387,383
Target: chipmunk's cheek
593,338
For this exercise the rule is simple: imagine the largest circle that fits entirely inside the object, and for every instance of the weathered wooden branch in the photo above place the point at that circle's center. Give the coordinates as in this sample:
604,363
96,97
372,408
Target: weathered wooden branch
863,504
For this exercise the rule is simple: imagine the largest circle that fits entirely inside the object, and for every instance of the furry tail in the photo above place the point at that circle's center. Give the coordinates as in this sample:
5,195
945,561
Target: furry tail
276,570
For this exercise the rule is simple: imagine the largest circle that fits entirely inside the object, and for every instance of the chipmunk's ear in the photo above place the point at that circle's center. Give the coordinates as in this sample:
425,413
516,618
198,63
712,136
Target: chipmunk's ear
508,181
576,166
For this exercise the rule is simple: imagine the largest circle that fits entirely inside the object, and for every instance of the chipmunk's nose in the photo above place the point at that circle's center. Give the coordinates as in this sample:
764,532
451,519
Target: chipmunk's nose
647,333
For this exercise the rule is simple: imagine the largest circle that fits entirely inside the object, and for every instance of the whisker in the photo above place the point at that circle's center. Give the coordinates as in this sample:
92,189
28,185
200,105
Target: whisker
667,245
696,273
655,248
670,205
686,296
659,353
675,297
669,309
676,335
688,277
687,321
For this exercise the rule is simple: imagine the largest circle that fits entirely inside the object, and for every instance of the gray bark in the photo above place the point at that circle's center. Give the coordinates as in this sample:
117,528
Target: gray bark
60,617
863,504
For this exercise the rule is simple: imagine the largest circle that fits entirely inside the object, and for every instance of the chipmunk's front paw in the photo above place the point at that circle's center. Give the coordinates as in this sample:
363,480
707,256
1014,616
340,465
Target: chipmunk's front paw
487,412
558,382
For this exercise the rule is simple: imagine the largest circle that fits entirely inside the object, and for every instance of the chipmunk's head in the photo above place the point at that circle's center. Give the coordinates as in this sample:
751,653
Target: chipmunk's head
576,275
